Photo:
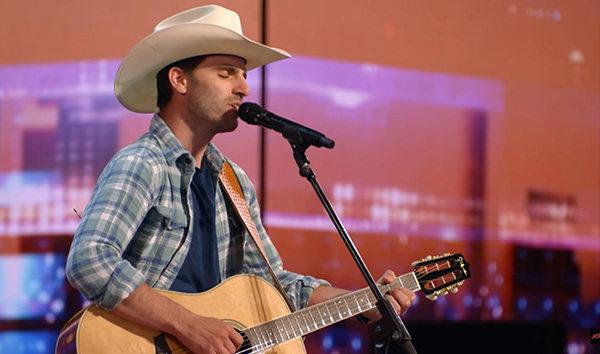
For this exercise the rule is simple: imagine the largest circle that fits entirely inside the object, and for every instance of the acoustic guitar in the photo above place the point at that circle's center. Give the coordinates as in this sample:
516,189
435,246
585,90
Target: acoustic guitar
254,308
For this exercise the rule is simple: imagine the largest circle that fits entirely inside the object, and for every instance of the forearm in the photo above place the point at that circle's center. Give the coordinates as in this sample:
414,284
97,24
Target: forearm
324,293
199,334
151,309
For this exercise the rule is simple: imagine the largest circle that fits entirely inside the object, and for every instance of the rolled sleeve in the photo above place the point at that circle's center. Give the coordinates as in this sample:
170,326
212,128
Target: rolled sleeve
96,265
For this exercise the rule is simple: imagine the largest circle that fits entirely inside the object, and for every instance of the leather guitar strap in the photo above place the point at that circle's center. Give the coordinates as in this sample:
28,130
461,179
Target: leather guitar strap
231,185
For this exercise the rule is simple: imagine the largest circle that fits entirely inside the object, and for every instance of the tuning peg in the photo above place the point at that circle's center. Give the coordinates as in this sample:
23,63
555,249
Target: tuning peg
422,260
454,290
431,297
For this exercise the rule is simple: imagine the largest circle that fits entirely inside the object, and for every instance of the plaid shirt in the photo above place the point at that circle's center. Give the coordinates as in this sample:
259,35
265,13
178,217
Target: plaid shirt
135,227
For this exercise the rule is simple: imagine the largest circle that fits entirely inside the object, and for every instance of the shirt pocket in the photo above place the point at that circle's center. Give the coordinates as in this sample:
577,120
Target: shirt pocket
172,218
160,237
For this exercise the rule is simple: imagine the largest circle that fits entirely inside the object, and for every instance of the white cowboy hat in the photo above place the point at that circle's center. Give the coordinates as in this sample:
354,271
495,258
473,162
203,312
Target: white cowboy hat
199,31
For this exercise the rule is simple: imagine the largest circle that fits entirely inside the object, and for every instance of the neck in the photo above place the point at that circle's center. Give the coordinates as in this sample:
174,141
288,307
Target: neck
193,140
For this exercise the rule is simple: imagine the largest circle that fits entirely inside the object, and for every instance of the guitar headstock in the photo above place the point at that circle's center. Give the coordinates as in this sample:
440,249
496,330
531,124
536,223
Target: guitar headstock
439,274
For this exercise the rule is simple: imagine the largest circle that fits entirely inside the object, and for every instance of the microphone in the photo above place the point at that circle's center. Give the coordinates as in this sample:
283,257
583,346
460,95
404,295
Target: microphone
252,113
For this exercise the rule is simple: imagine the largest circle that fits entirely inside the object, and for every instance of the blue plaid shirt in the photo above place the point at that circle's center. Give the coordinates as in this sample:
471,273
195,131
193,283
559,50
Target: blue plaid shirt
135,228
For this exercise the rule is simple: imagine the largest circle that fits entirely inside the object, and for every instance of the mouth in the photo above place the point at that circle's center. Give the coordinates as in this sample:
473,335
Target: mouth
236,106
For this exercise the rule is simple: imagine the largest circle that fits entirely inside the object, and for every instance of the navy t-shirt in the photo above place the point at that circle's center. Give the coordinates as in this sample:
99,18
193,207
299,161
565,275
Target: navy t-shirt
200,270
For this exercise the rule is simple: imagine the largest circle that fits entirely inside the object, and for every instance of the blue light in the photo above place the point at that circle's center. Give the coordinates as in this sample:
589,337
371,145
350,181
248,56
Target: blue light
522,303
27,342
327,342
493,302
441,301
597,308
416,302
31,285
356,344
573,306
548,305
468,300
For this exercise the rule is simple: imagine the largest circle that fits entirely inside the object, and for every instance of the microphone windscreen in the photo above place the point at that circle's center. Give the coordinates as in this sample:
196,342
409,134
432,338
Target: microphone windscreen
249,112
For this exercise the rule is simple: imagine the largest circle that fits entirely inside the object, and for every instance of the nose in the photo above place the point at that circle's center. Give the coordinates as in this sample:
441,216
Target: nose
242,88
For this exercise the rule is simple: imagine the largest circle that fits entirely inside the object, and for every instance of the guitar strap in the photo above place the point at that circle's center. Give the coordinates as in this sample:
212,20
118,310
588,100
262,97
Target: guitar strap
231,185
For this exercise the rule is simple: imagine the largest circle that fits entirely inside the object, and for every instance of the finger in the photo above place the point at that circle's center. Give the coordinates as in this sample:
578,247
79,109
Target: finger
388,276
403,298
236,338
229,347
394,302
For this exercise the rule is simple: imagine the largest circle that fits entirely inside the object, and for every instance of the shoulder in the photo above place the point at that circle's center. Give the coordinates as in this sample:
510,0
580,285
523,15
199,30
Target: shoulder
142,163
241,175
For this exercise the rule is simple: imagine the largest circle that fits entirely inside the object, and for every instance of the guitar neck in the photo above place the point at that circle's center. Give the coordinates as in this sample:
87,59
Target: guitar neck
313,318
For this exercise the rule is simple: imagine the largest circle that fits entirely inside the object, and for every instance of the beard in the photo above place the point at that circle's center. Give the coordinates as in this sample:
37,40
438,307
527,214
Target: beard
209,111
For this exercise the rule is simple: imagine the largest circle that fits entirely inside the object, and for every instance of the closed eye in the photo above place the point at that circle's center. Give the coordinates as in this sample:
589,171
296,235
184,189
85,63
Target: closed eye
226,71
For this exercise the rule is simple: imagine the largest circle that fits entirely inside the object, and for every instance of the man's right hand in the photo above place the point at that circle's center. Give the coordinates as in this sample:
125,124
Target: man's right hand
209,335
199,334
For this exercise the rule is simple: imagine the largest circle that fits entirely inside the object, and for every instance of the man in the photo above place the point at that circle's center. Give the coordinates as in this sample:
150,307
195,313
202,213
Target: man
157,218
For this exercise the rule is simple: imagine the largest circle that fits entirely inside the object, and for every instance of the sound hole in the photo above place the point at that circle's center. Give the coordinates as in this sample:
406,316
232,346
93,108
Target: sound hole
246,347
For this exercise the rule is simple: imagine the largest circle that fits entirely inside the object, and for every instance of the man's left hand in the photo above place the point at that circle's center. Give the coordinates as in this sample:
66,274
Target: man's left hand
400,298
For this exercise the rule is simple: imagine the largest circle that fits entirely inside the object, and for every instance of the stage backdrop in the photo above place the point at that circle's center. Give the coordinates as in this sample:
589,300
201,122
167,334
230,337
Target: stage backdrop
462,126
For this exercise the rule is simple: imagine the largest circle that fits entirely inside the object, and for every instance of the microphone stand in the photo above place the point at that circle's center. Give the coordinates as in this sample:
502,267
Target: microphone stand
390,327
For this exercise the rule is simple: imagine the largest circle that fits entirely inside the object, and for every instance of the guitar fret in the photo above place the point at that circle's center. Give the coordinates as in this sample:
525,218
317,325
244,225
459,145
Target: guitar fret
356,301
361,302
296,315
322,314
292,327
369,301
334,303
310,319
271,332
316,316
266,342
307,323
343,313
260,330
282,331
347,307
267,337
325,305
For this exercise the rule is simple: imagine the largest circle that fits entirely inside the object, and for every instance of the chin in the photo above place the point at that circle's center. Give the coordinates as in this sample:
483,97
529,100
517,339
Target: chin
230,126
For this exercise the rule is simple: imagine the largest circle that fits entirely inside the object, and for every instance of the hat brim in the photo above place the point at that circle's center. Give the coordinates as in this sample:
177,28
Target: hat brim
135,82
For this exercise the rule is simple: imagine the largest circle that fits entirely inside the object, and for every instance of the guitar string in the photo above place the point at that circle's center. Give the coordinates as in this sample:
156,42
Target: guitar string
419,275
352,308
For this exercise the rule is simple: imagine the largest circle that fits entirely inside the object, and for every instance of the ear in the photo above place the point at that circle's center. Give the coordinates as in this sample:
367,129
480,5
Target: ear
178,80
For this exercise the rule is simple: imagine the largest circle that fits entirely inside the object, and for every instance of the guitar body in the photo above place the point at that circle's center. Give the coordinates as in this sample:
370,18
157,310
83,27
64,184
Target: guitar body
242,301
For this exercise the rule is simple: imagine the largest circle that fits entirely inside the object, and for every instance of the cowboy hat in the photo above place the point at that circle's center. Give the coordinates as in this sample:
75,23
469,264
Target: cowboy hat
199,31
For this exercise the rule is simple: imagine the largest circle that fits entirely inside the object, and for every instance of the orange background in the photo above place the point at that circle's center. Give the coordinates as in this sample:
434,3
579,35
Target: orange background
545,56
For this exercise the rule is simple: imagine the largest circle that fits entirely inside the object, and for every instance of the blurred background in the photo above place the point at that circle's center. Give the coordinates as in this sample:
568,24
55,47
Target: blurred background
462,126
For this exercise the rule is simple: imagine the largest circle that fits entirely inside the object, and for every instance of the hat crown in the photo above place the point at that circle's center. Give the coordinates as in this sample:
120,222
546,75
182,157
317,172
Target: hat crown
199,31
209,15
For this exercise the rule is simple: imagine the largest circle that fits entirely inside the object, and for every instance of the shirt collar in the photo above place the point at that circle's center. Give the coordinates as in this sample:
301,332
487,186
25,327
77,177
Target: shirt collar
173,150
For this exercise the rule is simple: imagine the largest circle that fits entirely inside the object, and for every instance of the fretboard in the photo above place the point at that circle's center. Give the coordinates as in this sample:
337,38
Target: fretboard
313,318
